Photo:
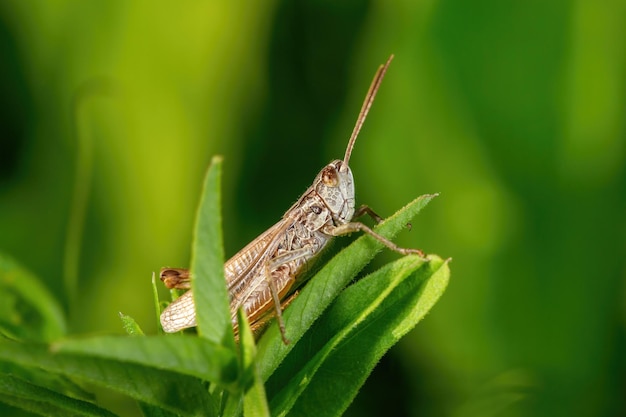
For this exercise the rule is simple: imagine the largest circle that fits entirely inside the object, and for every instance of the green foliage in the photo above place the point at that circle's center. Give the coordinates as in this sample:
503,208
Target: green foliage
514,111
39,400
27,311
364,322
209,375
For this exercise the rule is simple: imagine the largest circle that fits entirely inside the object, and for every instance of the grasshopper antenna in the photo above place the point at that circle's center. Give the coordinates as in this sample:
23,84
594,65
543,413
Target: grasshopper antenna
367,103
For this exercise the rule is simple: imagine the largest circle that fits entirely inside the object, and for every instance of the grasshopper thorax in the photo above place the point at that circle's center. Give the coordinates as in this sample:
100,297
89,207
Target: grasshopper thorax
335,186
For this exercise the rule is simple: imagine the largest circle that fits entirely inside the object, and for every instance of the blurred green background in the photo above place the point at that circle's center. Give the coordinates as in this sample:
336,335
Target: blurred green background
513,111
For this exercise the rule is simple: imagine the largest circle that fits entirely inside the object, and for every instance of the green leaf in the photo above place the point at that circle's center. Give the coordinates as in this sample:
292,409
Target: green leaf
187,355
39,377
27,310
130,325
327,284
157,303
254,400
26,396
364,322
181,394
207,264
250,385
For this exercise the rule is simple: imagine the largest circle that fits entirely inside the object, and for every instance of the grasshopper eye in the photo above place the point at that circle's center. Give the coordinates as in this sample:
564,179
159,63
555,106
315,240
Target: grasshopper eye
330,177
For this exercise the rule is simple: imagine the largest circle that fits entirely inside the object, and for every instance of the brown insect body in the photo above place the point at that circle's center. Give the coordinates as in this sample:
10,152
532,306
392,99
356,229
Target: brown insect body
283,250
261,276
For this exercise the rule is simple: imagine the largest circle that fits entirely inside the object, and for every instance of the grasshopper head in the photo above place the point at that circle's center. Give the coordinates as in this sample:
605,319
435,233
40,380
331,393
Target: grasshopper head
335,186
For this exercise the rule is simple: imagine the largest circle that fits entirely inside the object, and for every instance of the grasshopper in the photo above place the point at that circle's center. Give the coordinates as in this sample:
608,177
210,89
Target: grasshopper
261,276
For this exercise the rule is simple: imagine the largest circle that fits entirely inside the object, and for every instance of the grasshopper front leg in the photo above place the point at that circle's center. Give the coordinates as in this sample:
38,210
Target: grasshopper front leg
362,210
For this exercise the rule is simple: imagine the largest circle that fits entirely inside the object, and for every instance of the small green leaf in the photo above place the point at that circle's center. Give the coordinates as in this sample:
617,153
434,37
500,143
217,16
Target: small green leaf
251,388
207,264
254,400
27,310
130,325
327,284
26,396
157,303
